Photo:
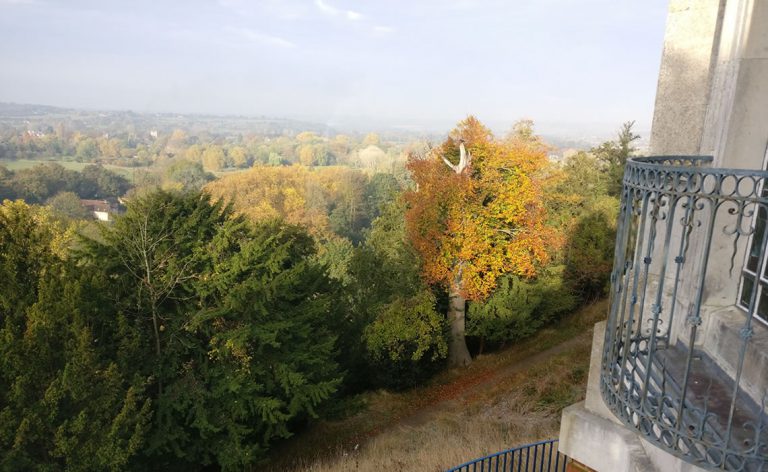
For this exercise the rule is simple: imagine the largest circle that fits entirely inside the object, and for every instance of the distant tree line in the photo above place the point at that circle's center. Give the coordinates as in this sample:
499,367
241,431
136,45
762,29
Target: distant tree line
214,152
40,183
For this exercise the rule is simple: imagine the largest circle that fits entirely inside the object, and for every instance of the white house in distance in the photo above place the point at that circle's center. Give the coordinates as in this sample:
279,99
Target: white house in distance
679,373
101,209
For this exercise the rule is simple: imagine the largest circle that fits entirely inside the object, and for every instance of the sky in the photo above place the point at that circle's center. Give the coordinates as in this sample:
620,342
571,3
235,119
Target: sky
577,65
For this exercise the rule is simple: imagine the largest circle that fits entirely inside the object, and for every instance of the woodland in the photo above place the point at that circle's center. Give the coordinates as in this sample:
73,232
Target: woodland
253,284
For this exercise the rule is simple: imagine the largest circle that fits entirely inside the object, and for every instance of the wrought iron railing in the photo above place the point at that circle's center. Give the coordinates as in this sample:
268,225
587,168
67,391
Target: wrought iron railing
542,456
690,255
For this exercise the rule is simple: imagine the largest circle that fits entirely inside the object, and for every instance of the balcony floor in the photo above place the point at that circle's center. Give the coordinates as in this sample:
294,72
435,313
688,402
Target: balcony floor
710,390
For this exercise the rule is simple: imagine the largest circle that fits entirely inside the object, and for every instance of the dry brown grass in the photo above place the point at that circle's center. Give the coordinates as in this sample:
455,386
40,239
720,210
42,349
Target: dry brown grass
517,400
437,445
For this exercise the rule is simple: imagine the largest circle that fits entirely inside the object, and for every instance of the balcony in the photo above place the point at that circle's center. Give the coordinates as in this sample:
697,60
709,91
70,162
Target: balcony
541,456
685,359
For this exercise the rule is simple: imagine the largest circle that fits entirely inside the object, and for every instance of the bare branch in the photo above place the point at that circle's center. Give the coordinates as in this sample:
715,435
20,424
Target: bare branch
448,163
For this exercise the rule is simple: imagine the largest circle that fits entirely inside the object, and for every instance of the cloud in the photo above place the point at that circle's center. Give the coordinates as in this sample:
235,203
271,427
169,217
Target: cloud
332,11
261,38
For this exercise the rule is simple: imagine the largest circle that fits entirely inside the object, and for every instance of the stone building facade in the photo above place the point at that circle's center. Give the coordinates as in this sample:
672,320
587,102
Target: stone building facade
679,372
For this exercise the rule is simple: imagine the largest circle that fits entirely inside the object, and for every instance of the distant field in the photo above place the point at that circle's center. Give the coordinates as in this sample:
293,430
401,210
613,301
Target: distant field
20,164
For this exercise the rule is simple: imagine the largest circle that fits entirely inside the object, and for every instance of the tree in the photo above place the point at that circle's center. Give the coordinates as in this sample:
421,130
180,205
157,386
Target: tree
64,405
406,339
519,306
151,254
194,153
589,250
387,294
87,150
176,142
188,175
614,155
102,183
67,204
266,315
226,323
522,131
239,156
475,217
371,139
213,158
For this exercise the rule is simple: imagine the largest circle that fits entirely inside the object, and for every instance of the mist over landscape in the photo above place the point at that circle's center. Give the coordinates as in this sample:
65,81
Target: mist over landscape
575,68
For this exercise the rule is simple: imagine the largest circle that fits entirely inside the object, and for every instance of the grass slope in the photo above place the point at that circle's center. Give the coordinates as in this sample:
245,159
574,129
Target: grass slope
502,400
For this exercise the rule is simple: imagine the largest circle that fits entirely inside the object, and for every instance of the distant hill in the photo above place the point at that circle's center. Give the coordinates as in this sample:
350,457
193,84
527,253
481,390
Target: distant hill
14,115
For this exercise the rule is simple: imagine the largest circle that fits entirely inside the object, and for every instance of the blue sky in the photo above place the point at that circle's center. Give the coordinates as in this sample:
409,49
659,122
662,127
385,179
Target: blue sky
577,64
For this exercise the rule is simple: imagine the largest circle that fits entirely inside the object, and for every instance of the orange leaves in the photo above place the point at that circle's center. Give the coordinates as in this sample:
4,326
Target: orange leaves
473,227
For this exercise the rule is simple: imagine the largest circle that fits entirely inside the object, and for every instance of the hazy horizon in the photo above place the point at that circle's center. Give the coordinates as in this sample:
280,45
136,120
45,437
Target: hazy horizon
572,67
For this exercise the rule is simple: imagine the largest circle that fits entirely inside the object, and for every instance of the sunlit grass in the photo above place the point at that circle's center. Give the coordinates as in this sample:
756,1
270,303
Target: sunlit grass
502,400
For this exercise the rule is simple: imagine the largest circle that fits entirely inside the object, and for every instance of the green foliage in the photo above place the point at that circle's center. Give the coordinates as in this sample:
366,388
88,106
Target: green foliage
229,324
381,190
38,184
184,337
67,205
87,150
335,253
614,155
590,247
407,340
187,175
268,333
408,329
62,404
584,175
519,307
388,301
98,182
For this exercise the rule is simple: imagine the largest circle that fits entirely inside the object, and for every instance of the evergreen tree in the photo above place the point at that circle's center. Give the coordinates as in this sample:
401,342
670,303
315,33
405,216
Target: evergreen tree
63,405
614,155
228,324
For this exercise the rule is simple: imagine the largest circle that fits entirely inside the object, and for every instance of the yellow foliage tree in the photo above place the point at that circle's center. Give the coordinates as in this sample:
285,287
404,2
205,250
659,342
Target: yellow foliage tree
296,193
476,214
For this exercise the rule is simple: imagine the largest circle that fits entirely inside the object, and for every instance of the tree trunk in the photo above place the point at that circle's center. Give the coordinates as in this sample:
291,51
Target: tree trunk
458,354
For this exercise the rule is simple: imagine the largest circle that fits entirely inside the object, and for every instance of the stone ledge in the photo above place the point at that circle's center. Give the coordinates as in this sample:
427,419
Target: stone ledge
594,401
601,444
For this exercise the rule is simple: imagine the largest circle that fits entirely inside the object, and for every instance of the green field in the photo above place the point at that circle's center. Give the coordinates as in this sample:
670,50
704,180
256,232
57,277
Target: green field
19,164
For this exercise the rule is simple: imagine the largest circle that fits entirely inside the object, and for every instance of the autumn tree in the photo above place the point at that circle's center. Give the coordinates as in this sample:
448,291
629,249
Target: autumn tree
214,158
476,214
371,139
239,156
